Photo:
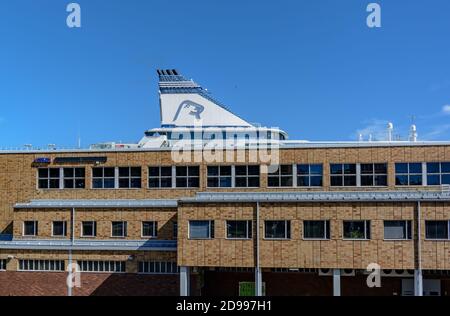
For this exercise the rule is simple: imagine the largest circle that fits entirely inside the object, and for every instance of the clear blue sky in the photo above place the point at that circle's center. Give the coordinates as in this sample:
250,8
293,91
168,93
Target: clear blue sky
311,67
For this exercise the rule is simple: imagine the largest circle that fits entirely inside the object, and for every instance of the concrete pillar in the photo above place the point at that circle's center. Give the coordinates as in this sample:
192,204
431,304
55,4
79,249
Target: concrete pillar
418,283
336,282
258,282
185,281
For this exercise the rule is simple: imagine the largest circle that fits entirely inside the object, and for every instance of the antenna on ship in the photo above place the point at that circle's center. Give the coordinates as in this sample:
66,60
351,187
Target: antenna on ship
413,130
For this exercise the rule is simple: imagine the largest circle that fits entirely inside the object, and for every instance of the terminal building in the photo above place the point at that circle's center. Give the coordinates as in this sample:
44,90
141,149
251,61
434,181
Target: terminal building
209,204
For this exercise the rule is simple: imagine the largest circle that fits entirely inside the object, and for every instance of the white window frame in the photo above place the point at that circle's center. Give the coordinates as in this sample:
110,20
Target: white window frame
130,178
35,229
160,177
111,266
249,224
124,229
103,178
247,176
35,265
367,224
219,176
408,225
64,228
437,239
3,264
285,229
423,175
324,229
146,265
210,230
155,229
281,176
94,229
309,175
48,178
343,175
373,174
440,173
187,177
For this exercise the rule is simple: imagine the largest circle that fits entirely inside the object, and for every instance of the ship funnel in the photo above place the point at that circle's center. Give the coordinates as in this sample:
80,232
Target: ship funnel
389,131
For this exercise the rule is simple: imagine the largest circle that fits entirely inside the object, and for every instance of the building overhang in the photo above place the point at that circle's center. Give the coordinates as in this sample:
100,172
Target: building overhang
79,204
80,245
292,197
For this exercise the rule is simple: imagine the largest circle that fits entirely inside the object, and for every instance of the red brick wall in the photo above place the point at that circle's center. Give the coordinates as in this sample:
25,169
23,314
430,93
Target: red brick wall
96,284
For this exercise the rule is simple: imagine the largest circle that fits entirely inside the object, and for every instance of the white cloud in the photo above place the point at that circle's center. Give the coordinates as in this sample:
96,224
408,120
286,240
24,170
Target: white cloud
446,109
374,127
437,131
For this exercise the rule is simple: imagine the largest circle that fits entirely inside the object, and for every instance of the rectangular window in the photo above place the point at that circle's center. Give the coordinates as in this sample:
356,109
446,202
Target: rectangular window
316,229
74,178
397,230
247,176
159,177
438,173
282,177
436,229
309,175
118,229
30,228
48,178
41,265
102,266
2,264
239,229
89,229
59,228
130,177
187,177
158,267
201,229
356,229
343,175
408,173
219,176
175,230
150,229
277,229
103,178
374,174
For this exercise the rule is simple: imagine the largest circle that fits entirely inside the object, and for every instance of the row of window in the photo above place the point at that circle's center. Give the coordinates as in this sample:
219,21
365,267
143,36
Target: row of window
149,229
107,266
319,229
299,175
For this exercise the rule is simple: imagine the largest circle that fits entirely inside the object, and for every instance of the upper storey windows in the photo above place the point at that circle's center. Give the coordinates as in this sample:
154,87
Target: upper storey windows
408,173
61,178
116,177
358,174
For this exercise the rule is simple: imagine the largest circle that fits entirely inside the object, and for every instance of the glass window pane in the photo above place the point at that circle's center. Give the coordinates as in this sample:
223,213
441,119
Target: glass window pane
166,182
286,169
436,229
213,171
241,170
124,172
135,172
415,180
109,183
433,167
401,168
354,230
43,173
199,229
446,179
316,181
367,180
380,168
314,229
166,171
336,181
225,171
434,180
415,168
445,167
225,182
181,171
303,181
395,229
109,172
193,171
350,168
273,181
366,168
253,170
336,168
381,180
68,172
302,169
401,180
97,172
316,169
349,180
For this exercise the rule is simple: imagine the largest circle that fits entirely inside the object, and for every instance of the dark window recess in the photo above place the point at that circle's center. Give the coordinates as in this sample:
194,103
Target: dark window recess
62,160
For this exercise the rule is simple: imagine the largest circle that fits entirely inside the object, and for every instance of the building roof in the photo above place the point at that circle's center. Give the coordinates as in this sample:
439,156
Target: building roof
379,196
97,204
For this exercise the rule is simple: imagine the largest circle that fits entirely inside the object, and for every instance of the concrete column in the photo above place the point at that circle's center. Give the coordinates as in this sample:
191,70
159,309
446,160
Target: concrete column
258,282
336,282
418,283
185,284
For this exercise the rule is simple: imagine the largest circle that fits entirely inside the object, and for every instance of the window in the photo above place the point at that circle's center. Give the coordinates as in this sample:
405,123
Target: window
282,177
149,229
30,228
374,174
438,173
2,264
89,229
343,175
103,178
408,173
277,229
175,230
187,177
397,230
356,229
316,229
59,229
201,229
74,178
157,267
239,229
160,177
247,176
129,177
219,176
119,229
41,265
48,178
309,175
102,266
436,229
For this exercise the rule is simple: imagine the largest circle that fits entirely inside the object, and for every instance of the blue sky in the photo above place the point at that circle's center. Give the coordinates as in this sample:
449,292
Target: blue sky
310,67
